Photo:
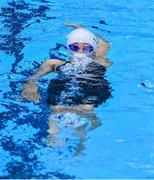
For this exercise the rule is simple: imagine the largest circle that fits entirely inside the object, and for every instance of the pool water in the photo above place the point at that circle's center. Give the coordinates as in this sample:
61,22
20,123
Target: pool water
122,144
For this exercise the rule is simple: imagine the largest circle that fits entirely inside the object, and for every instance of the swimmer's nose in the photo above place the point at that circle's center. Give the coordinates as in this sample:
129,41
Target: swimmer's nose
81,50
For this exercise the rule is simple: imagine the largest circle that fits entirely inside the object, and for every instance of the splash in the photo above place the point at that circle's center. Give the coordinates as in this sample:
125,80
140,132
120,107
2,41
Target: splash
148,84
78,64
75,69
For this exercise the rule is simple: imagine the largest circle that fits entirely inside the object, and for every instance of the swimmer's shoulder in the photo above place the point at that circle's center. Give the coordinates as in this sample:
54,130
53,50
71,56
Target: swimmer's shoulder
104,62
54,63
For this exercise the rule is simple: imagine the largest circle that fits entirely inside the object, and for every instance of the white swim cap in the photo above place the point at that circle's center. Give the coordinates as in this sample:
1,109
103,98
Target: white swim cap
82,35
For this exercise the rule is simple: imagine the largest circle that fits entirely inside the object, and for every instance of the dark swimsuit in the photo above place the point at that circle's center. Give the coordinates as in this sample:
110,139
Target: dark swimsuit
87,87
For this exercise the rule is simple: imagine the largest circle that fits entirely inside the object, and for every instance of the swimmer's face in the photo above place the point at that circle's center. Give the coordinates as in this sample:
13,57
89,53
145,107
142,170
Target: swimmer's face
83,48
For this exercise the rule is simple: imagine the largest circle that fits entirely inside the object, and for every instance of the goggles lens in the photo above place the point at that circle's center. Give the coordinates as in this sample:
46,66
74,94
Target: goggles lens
86,49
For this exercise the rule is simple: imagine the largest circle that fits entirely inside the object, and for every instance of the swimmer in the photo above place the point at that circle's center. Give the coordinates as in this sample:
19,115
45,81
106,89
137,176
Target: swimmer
80,85
82,44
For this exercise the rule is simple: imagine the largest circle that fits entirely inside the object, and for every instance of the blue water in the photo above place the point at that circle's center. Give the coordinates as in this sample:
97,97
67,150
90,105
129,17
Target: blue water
123,146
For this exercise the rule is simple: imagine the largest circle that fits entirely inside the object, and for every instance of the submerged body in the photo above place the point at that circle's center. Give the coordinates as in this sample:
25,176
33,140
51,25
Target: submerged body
80,84
74,85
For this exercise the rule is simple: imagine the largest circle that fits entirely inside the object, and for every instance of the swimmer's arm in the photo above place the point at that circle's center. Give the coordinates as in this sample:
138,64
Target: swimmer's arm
30,88
101,52
46,67
74,25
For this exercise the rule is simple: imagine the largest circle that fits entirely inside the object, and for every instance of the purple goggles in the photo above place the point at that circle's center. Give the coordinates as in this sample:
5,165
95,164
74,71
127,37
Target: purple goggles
86,48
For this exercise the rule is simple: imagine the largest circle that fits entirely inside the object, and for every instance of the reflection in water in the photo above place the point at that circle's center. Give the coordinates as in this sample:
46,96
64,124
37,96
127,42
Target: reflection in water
17,16
78,87
23,126
55,53
68,128
21,162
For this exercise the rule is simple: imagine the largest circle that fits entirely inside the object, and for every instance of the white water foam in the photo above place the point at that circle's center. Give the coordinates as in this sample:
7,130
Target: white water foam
78,64
75,69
